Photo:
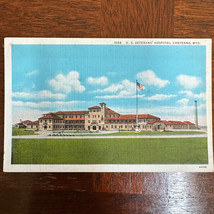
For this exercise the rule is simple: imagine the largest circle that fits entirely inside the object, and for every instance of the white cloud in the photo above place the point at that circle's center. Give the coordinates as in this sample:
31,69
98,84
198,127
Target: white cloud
150,78
124,89
161,97
45,94
112,88
46,104
34,72
32,111
183,101
192,95
26,114
118,96
98,81
67,83
188,82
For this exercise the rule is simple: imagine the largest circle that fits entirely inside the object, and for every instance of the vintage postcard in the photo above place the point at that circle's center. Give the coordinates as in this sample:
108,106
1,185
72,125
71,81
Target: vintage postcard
108,105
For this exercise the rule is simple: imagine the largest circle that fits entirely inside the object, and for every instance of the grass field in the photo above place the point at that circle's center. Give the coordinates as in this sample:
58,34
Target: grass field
74,131
110,151
156,133
17,131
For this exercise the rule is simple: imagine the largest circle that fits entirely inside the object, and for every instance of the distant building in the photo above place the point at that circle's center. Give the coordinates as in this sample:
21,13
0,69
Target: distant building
33,125
103,118
23,124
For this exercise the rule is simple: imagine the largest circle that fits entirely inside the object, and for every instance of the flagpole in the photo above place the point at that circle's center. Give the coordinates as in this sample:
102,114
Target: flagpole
136,107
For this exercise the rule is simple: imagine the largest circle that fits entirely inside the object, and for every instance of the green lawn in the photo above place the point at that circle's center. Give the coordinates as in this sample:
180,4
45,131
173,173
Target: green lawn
110,151
156,132
73,131
17,131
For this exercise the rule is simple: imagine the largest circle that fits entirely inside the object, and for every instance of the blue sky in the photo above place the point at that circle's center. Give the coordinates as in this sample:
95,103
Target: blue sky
74,77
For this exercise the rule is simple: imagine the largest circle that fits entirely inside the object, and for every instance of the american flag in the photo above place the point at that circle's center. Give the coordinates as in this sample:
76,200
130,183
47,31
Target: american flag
139,86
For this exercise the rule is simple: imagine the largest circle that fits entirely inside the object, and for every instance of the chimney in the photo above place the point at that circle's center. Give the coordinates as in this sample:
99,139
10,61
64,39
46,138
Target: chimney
196,115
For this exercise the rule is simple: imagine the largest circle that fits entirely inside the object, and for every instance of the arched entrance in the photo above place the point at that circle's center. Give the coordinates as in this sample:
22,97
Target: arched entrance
158,126
45,127
94,127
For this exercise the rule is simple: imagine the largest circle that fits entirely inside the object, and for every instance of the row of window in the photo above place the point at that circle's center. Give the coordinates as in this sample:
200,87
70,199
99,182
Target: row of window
181,126
126,121
50,121
57,126
111,121
94,116
73,116
124,126
36,126
75,127
95,110
75,121
94,121
112,115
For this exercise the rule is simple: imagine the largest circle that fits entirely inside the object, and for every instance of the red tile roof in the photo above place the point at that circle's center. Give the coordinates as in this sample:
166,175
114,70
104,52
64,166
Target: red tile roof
188,123
95,107
26,121
153,121
75,118
133,116
34,123
110,111
51,116
177,122
72,112
147,116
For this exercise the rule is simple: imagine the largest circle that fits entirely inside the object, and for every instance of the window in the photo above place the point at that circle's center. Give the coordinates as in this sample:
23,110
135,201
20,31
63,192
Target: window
106,126
45,121
115,126
49,121
49,126
125,126
99,121
88,116
98,115
40,121
121,126
89,121
31,126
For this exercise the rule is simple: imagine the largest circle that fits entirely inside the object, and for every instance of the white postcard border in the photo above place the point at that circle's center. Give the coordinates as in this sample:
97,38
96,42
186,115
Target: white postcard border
8,167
